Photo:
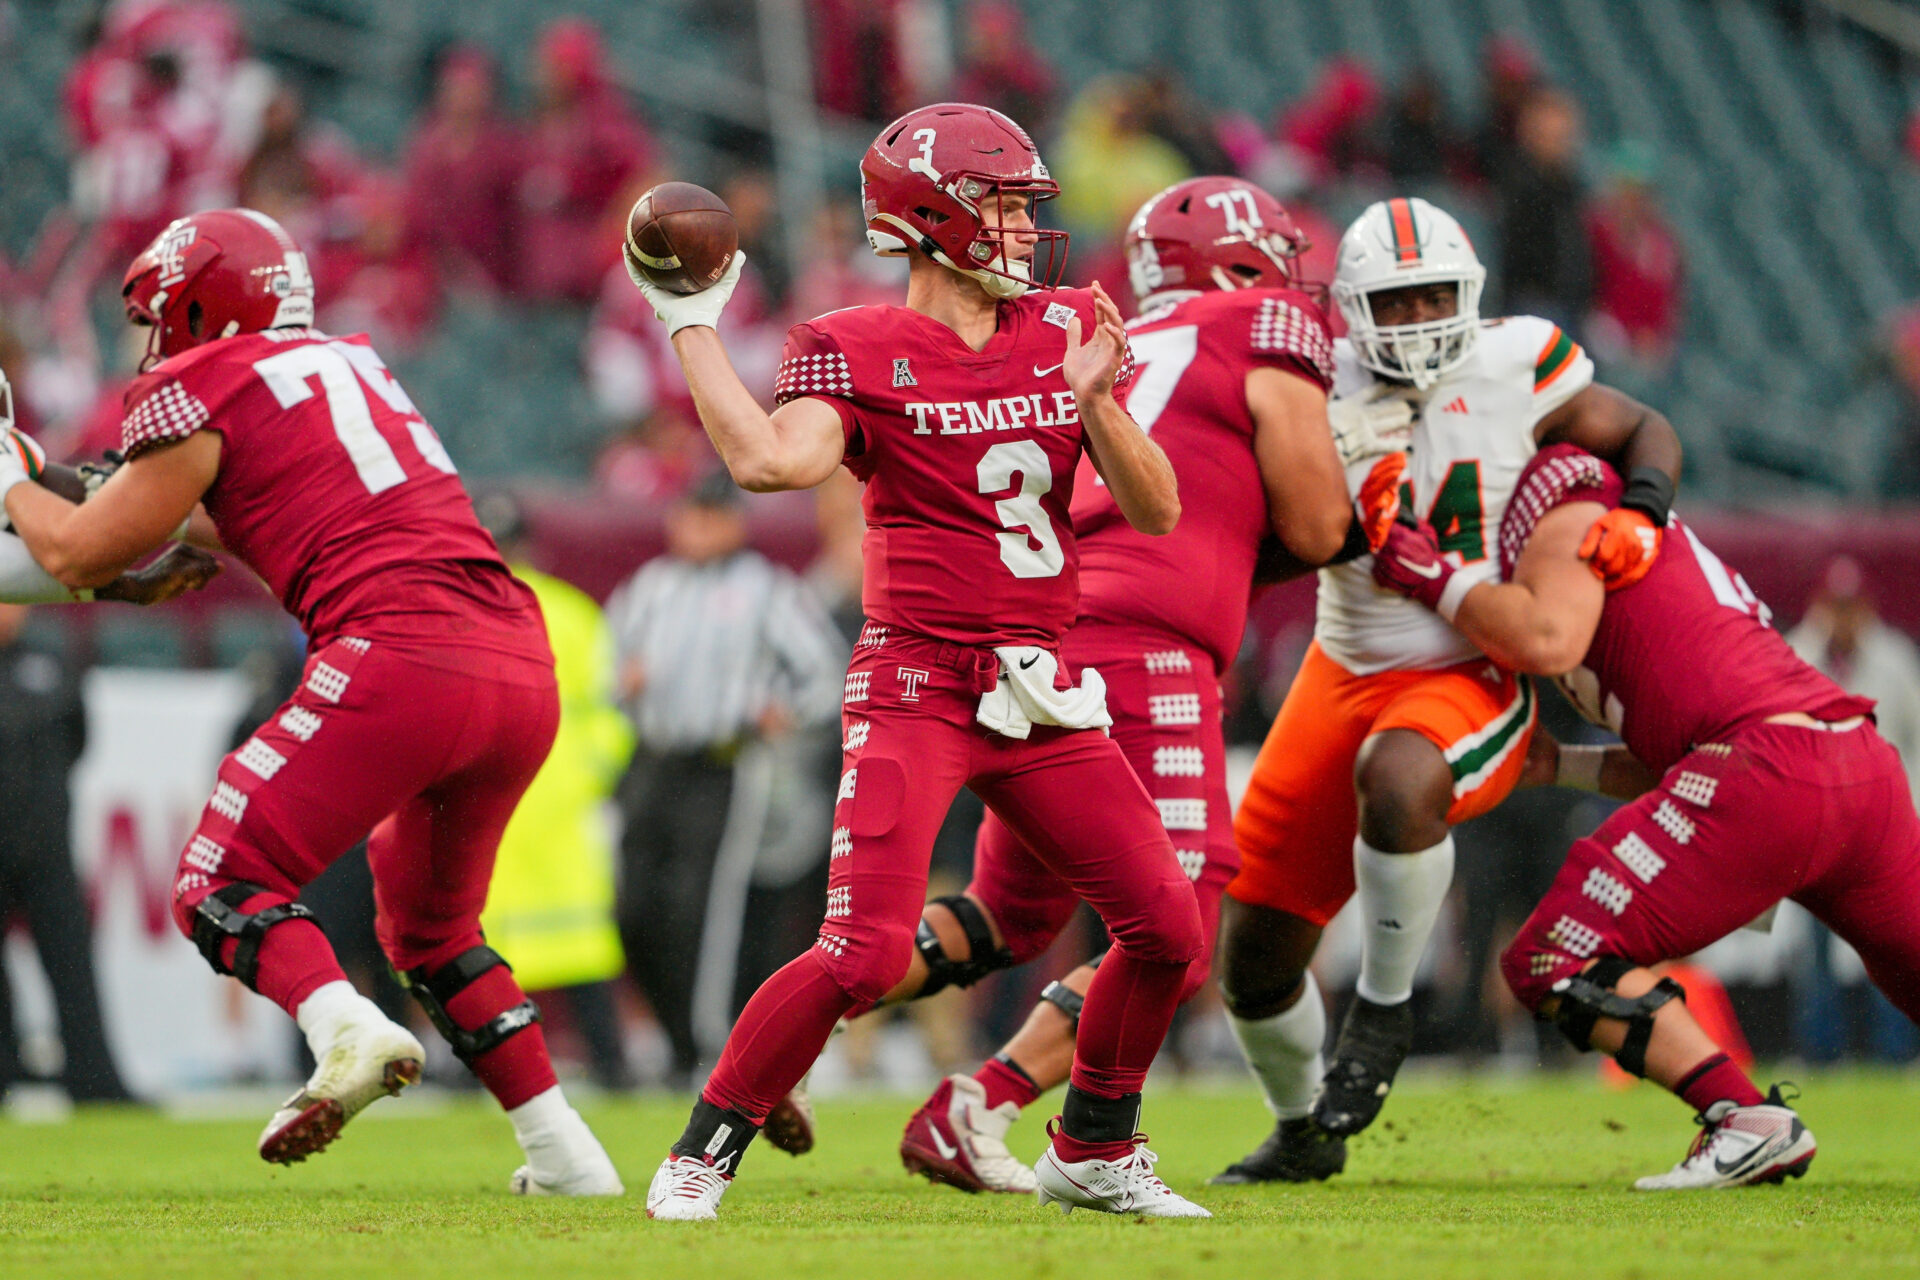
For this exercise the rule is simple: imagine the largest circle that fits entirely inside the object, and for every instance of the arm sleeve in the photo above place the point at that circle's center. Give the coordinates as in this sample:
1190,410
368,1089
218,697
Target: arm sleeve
22,580
1288,334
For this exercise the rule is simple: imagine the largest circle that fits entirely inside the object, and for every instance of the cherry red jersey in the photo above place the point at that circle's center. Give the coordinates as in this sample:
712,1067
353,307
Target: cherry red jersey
1189,391
968,458
336,492
1684,656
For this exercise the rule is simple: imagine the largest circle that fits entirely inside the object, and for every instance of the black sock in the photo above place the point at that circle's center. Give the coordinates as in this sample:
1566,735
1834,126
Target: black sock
1087,1118
717,1136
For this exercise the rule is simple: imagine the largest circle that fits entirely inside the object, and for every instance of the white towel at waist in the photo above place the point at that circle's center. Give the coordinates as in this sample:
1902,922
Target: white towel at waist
1024,695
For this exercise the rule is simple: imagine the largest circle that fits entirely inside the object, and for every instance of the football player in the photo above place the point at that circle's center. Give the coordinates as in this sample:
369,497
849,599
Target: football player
1396,729
428,700
1234,365
1752,777
966,413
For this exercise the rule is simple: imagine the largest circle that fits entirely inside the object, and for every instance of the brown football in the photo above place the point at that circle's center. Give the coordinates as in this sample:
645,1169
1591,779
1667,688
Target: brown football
681,237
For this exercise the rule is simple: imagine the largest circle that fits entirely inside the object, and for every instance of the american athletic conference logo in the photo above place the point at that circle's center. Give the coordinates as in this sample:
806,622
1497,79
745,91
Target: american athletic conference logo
911,678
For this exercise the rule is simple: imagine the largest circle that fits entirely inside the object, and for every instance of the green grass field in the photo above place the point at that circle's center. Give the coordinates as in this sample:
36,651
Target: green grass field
1460,1179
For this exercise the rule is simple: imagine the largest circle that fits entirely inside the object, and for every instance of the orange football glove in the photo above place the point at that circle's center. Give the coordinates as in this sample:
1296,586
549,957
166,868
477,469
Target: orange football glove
1378,505
1621,547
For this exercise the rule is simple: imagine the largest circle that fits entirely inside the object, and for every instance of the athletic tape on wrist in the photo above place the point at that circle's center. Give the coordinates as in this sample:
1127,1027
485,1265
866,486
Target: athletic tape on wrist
1453,594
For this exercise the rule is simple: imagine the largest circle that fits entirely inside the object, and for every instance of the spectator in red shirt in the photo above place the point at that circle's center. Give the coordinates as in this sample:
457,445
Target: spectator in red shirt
1637,269
1002,69
384,283
585,147
461,166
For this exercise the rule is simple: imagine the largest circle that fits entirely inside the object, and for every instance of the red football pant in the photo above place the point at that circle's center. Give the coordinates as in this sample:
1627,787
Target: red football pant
1777,811
1070,796
433,761
1165,702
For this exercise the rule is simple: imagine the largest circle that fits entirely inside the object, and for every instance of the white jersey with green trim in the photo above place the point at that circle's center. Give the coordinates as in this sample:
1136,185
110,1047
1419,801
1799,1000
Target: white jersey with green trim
1472,435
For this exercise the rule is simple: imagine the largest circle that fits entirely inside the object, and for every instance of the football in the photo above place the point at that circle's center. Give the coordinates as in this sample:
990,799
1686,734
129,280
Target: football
682,237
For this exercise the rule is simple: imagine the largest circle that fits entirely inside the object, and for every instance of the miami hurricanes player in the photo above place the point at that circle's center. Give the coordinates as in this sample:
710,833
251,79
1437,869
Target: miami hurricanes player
1396,728
1234,364
966,413
1752,778
428,700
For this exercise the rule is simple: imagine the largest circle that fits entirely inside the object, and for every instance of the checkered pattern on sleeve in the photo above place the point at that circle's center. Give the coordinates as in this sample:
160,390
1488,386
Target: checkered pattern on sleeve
819,372
1289,329
170,413
1125,375
1558,474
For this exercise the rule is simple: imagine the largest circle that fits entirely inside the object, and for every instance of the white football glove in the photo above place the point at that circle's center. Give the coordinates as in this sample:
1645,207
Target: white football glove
1377,421
680,310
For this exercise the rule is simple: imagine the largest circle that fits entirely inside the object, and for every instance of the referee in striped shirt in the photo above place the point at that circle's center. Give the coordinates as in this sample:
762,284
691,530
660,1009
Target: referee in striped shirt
720,650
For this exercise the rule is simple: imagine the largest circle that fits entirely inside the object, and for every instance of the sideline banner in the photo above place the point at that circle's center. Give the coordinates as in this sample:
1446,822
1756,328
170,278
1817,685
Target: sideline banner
154,741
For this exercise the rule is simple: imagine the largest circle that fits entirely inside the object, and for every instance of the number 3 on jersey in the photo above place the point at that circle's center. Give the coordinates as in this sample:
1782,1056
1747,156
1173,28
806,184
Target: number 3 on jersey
1024,521
342,368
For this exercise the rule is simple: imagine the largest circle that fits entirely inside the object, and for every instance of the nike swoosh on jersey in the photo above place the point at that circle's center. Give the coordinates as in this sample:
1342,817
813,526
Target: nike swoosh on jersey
1428,571
1038,372
1028,662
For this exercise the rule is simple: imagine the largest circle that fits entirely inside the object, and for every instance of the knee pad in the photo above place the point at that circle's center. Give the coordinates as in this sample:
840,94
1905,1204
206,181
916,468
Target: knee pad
1576,1003
436,988
218,917
1165,929
982,957
871,962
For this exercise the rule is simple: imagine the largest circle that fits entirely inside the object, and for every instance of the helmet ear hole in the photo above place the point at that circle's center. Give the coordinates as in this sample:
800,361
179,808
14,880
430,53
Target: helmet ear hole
196,317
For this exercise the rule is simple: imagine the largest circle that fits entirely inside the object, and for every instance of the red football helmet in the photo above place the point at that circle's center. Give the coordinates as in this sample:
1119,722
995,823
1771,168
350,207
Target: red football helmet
923,182
1212,233
212,275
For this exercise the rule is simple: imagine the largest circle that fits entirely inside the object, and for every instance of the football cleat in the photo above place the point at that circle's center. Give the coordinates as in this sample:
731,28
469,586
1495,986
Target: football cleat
1297,1150
789,1126
1740,1147
1127,1185
685,1189
583,1167
956,1139
1373,1043
369,1058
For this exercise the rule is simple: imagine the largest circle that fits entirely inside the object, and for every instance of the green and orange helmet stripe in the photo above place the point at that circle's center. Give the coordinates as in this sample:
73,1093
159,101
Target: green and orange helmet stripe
1406,235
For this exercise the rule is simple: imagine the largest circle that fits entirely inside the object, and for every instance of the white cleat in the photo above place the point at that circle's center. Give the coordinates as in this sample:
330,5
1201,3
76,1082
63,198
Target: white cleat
368,1057
685,1189
584,1169
1740,1147
956,1139
1128,1185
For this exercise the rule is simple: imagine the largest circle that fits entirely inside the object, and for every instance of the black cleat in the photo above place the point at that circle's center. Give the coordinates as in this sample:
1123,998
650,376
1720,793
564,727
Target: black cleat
1373,1043
1296,1151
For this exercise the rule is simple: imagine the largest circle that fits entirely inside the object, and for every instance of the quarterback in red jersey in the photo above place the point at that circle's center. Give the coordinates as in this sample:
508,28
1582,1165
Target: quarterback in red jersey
428,701
1235,362
1752,778
966,412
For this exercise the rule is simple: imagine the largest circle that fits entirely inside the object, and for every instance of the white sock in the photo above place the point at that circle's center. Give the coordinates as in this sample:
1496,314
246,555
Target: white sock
540,1117
1284,1052
325,1008
1400,897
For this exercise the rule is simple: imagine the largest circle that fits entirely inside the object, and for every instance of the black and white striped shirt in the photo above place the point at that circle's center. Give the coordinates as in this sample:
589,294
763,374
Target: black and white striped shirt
720,643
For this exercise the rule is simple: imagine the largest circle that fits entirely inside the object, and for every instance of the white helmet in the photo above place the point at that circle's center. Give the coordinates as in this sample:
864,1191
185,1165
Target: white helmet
1402,242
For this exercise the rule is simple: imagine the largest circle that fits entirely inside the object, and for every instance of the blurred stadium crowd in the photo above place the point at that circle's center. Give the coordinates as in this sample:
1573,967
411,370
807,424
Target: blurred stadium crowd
1720,199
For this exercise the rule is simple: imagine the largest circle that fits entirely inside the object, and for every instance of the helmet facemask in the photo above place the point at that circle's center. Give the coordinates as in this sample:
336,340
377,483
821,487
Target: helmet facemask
1420,353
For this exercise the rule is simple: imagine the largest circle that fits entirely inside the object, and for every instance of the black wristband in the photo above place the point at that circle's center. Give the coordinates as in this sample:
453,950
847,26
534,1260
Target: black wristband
1650,492
1356,544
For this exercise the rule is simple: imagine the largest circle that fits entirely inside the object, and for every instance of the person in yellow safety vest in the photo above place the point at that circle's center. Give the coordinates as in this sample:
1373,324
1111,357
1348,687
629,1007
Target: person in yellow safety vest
550,909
